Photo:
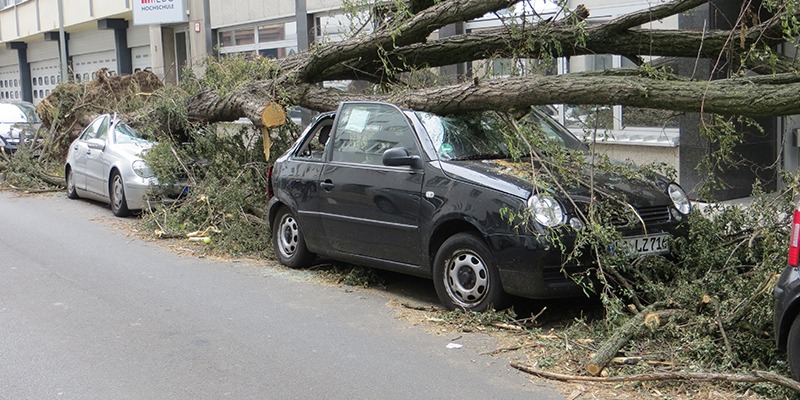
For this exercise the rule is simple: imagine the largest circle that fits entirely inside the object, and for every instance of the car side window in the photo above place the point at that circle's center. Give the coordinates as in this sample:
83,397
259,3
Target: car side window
314,146
365,131
102,130
91,131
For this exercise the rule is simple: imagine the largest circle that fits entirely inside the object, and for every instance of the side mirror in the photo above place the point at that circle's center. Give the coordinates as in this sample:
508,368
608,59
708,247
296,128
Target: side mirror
398,156
97,144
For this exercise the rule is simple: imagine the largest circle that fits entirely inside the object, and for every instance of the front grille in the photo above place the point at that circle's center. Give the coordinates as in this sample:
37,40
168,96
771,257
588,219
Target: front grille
648,215
654,215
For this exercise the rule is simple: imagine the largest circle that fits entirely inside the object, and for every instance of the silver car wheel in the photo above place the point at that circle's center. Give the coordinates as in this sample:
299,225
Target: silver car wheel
72,192
288,236
466,278
117,192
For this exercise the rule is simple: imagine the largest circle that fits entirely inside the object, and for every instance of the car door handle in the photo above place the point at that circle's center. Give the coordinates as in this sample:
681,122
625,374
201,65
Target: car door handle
327,185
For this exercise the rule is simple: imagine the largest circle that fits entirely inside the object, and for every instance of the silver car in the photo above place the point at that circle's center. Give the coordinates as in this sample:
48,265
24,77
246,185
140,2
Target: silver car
105,163
18,121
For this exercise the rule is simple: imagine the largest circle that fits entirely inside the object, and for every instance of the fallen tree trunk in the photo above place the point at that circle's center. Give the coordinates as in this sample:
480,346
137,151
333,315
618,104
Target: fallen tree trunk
754,97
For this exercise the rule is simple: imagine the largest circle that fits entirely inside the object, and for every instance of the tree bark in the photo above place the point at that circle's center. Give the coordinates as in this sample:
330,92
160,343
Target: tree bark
620,338
404,46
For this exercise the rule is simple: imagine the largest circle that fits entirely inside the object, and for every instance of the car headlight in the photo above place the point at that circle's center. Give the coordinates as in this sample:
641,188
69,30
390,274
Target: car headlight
679,198
546,210
142,169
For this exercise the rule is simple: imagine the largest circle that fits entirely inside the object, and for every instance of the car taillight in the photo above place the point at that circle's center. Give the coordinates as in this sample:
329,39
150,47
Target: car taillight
794,240
269,182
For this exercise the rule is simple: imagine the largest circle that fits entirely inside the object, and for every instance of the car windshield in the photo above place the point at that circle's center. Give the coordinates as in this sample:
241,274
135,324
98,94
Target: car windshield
12,114
480,136
30,112
126,134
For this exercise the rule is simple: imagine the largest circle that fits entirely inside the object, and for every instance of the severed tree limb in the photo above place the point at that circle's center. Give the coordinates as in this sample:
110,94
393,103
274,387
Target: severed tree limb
756,377
623,334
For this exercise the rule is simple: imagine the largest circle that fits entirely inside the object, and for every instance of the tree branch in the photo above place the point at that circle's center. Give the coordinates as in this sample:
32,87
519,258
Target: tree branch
757,377
412,31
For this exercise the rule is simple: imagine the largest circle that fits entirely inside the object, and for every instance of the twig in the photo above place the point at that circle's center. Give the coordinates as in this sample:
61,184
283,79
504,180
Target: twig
503,325
742,309
430,308
501,350
728,348
35,191
756,377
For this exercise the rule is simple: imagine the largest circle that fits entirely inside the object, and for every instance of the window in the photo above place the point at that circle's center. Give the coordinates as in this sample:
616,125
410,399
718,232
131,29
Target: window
273,40
365,131
92,130
314,147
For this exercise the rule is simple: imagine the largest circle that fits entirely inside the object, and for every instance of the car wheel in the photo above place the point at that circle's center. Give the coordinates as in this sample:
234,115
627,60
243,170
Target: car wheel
465,276
72,193
793,348
288,241
119,205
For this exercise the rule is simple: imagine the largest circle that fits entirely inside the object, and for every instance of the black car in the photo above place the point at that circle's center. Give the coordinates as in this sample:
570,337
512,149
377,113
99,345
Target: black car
787,301
414,192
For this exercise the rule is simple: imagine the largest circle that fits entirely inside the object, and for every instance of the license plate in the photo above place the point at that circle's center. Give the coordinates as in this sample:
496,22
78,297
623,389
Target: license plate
648,244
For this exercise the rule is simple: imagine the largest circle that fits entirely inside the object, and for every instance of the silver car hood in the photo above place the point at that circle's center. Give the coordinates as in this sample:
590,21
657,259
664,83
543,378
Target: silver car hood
134,150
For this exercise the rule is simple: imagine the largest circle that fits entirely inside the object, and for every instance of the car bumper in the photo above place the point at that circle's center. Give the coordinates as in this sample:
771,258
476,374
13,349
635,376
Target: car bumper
532,267
141,193
786,295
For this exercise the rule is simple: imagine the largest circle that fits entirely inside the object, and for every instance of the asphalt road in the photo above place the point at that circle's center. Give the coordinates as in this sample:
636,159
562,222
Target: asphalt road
87,312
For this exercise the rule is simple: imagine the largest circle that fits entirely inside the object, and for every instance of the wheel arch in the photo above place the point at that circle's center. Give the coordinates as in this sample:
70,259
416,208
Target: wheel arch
273,207
446,230
786,321
111,171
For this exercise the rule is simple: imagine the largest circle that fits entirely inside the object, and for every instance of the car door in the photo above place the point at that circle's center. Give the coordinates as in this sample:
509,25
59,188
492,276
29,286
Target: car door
96,161
369,209
81,151
299,179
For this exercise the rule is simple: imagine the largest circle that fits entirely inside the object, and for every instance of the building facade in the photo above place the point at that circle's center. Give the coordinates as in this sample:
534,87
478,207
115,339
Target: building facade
43,42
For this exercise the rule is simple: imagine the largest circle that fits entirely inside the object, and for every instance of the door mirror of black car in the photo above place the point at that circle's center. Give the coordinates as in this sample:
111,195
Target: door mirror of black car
398,156
97,144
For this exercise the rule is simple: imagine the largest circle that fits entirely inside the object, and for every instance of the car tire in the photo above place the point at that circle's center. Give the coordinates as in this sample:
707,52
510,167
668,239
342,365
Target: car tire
72,192
288,241
465,275
793,348
116,196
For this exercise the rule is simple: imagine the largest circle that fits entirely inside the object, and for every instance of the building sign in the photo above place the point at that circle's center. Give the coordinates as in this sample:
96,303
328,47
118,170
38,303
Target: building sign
156,12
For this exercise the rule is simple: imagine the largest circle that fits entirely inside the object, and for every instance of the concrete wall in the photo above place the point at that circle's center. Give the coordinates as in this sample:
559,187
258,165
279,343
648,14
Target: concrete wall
37,17
247,11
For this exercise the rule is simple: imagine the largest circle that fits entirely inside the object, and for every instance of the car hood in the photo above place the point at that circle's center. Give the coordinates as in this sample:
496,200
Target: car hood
132,150
514,178
14,130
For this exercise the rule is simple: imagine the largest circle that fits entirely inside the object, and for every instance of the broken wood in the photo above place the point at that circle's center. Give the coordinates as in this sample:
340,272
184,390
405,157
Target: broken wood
609,349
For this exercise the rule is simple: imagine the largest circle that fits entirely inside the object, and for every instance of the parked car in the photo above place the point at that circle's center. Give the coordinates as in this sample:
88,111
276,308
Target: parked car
787,301
428,195
18,121
105,163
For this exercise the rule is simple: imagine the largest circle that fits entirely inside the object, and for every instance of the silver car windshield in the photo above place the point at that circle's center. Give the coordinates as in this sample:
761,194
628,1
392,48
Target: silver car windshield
126,134
11,114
